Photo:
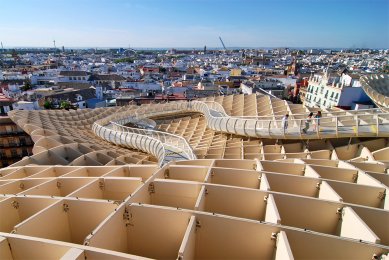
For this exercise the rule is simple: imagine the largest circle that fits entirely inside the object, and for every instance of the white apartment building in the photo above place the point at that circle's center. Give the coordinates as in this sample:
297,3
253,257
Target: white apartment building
25,105
144,85
48,77
12,75
73,76
325,92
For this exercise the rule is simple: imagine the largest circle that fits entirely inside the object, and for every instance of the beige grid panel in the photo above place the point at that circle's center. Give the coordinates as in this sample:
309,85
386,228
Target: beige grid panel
202,209
250,105
264,107
65,137
376,87
194,130
237,105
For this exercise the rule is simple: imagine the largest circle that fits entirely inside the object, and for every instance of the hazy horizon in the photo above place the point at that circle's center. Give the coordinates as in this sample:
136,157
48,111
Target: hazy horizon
188,23
184,48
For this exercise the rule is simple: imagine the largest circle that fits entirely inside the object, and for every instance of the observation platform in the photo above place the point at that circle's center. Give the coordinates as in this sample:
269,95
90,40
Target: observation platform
97,189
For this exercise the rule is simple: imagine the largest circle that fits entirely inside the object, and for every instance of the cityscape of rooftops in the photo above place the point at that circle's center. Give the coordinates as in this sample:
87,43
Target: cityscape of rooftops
194,129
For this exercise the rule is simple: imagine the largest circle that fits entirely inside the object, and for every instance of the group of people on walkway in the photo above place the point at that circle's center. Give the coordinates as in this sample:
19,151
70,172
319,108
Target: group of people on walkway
308,121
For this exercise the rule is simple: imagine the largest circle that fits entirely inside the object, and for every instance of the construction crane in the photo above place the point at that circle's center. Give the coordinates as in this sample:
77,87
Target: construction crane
222,43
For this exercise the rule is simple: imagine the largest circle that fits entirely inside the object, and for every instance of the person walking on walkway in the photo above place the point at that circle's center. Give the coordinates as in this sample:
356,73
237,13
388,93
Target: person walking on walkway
285,123
316,122
307,122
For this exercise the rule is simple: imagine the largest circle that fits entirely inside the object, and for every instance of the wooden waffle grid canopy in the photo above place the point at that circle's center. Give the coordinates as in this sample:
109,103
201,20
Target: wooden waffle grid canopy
80,197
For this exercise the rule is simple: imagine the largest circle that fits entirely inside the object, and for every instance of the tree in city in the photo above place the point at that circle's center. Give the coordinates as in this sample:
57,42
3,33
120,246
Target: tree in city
65,105
48,104
124,60
27,86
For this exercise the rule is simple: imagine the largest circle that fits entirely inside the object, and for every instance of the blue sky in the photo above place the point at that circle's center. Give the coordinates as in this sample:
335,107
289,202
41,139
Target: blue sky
195,23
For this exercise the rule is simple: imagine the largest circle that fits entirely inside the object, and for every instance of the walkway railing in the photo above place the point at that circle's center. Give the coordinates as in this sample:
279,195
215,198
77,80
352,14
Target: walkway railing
167,146
137,121
354,125
324,114
132,140
176,143
164,146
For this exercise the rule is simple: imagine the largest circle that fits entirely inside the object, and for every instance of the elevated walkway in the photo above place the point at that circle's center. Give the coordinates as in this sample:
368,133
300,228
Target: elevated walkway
363,123
164,146
167,147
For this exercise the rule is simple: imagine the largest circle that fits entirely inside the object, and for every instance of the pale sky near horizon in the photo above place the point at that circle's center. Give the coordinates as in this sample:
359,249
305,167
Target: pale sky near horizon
195,23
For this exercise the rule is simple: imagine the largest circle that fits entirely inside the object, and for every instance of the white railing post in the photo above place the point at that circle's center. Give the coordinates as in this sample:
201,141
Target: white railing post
336,126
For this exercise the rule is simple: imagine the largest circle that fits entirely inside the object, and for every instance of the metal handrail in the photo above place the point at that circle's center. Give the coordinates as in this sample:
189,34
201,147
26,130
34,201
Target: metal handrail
216,106
137,121
164,139
345,125
149,112
161,135
375,111
153,146
221,123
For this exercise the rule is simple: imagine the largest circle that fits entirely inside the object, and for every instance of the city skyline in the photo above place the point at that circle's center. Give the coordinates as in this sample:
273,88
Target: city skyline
194,24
